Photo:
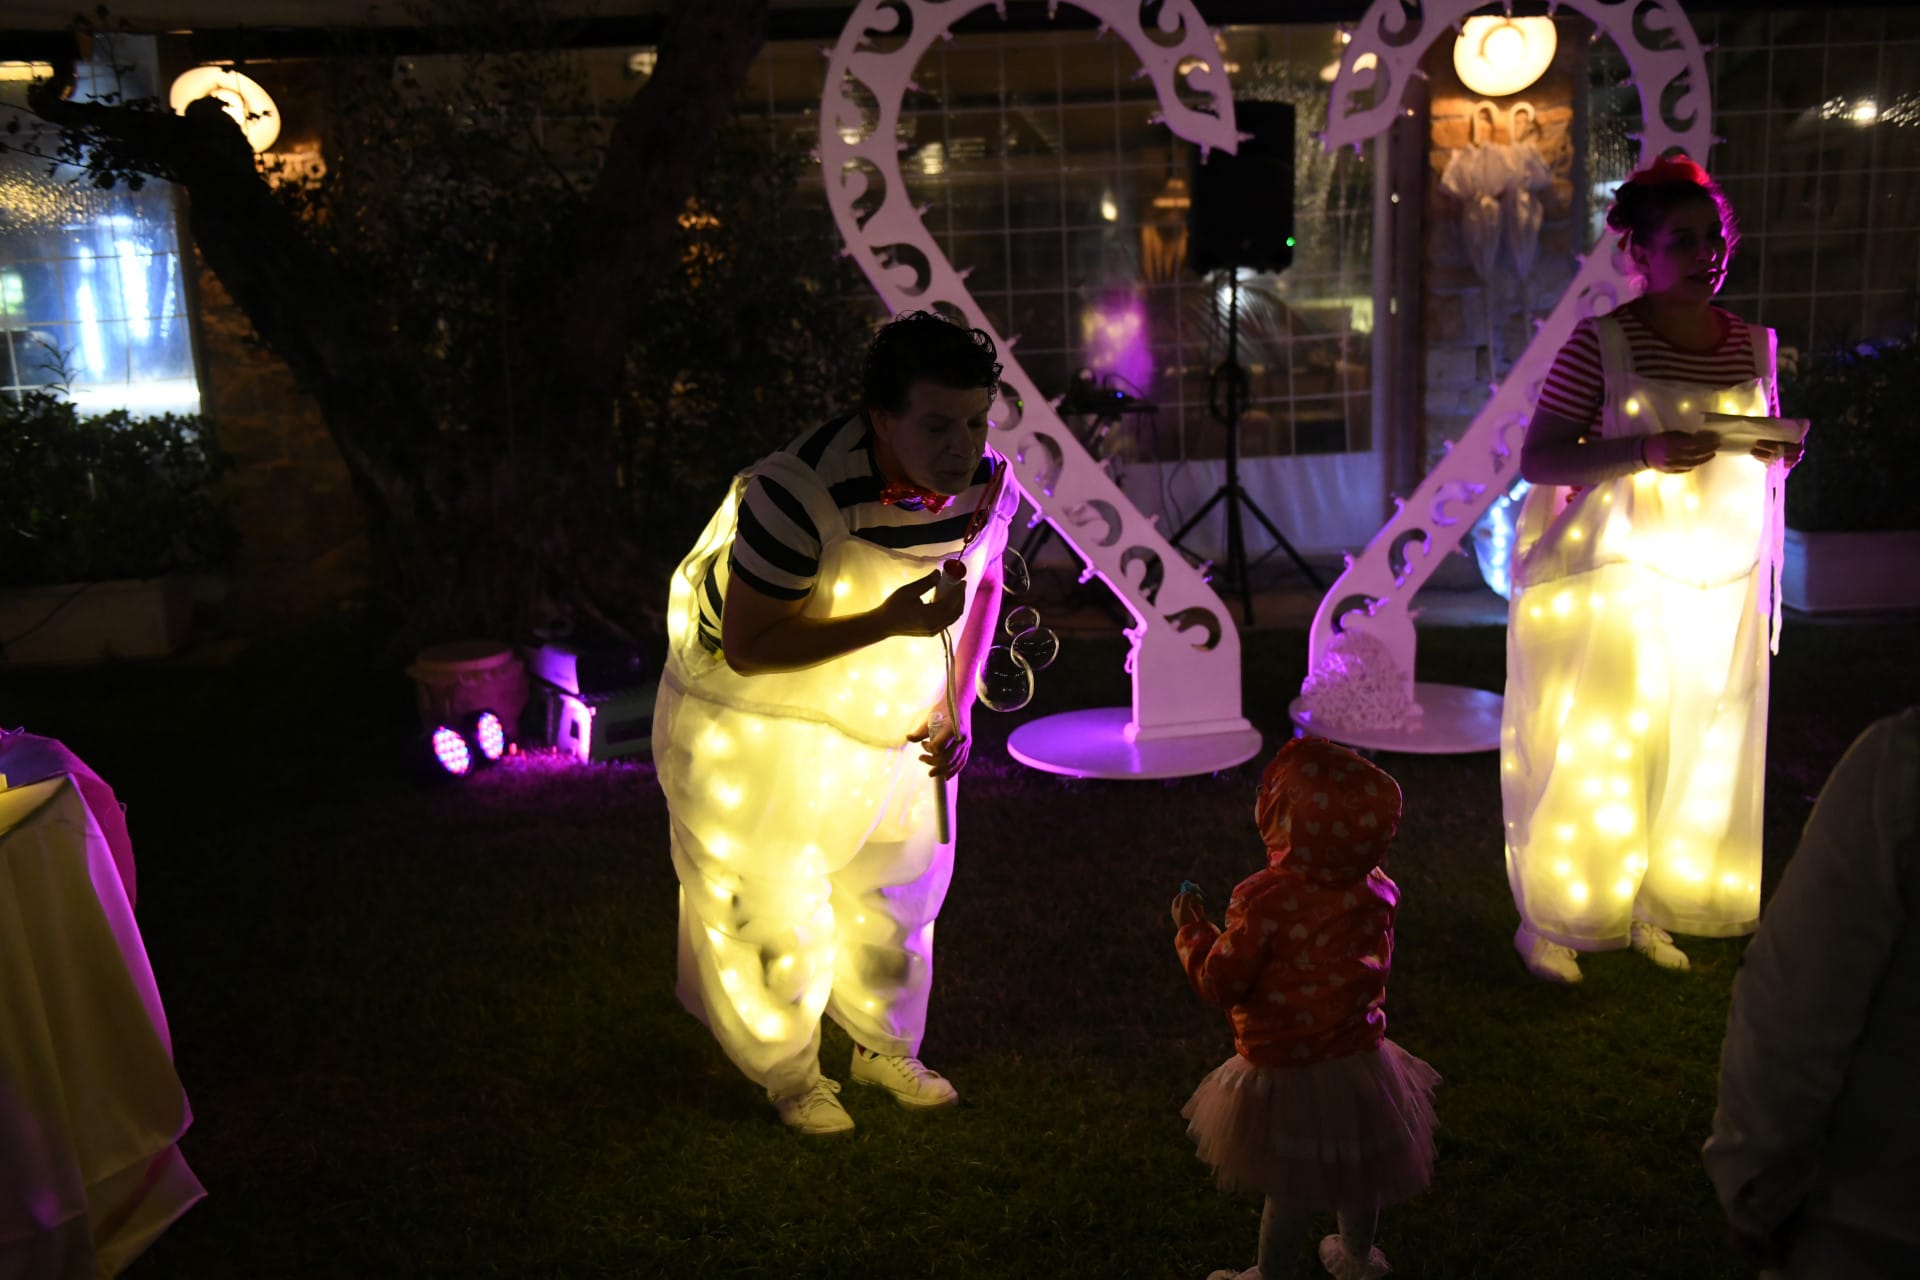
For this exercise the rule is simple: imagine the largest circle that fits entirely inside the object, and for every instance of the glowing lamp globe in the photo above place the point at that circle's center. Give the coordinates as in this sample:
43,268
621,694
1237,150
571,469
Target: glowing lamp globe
1496,56
240,96
450,752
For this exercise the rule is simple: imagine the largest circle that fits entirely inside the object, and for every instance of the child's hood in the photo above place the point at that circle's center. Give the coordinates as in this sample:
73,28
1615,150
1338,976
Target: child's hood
1325,812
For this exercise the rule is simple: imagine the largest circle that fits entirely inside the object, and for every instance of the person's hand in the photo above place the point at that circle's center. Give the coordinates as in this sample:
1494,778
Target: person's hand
1771,451
1188,909
1677,452
945,745
905,613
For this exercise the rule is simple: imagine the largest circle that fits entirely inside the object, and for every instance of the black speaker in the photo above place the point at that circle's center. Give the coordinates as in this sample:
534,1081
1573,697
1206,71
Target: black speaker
1242,210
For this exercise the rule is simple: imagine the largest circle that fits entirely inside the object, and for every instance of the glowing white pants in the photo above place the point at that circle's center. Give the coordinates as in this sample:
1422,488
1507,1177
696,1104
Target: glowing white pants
1634,737
816,893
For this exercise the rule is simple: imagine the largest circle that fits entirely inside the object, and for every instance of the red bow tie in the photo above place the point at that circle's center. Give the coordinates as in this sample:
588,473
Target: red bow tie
905,493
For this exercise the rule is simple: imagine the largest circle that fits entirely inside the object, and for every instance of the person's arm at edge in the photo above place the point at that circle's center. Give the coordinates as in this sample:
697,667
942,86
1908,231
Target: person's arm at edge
1807,982
760,634
947,756
1558,450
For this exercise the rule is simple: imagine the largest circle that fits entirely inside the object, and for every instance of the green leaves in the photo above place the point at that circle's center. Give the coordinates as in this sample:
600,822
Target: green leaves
94,499
1862,466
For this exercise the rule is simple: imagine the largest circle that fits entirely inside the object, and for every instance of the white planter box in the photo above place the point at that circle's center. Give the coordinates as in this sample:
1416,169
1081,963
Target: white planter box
1845,572
79,623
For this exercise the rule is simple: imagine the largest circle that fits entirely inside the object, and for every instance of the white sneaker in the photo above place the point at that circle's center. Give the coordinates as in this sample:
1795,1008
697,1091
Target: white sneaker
1545,959
1343,1265
905,1077
1656,944
817,1112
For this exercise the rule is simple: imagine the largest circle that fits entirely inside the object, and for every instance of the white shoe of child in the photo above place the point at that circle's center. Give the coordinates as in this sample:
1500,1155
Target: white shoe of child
1656,944
1343,1265
1545,959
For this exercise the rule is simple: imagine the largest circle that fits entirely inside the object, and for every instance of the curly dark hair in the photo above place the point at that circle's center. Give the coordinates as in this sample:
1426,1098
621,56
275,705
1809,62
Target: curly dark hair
922,345
1644,200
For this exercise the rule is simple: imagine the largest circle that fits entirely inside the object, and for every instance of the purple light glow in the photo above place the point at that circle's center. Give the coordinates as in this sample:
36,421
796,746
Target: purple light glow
450,749
1114,336
491,735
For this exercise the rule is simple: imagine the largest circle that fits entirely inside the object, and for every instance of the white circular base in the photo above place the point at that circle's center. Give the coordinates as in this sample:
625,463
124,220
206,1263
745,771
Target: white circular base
1093,744
1455,721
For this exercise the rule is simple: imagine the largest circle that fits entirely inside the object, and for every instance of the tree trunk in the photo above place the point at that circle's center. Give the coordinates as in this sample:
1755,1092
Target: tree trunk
443,509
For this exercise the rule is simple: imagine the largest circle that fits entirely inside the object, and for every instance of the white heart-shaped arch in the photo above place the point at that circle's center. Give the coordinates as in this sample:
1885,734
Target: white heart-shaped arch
1185,659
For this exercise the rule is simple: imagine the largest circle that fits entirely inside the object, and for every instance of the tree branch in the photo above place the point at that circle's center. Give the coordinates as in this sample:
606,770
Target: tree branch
659,146
289,289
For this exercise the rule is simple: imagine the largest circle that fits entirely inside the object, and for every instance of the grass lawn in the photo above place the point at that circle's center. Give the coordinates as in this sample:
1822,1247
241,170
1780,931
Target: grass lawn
433,1031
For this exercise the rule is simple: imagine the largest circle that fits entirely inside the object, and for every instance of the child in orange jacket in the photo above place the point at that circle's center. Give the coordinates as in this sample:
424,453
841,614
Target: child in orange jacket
1318,1109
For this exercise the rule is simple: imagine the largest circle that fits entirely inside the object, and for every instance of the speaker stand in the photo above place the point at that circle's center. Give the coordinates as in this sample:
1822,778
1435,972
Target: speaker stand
1231,378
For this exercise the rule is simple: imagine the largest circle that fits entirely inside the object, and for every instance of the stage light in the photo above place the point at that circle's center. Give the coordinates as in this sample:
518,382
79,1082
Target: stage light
489,735
450,752
1497,57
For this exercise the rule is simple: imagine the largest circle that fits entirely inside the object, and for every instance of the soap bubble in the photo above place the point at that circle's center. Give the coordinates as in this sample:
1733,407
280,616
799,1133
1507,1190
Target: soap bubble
1005,682
1015,578
1022,619
1037,646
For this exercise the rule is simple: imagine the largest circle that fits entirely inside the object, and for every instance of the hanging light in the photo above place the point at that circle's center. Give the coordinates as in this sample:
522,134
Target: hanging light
1497,56
239,96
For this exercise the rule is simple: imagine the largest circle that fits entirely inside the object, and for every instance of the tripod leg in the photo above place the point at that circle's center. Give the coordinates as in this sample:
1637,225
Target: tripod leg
1280,540
1237,554
1197,516
1036,539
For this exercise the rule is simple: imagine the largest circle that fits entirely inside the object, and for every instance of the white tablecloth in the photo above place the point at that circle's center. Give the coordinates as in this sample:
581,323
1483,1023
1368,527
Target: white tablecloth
90,1107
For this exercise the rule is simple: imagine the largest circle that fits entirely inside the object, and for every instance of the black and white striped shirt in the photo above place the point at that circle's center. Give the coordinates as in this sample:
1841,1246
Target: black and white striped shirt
776,549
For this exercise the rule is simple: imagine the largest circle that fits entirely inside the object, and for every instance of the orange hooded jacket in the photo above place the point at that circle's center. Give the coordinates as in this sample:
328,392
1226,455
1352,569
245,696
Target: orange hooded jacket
1301,967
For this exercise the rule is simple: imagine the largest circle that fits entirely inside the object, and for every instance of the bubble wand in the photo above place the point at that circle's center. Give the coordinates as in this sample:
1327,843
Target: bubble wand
953,577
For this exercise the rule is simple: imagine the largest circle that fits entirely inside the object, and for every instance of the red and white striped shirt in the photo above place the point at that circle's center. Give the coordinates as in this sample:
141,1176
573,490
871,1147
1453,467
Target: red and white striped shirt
1575,387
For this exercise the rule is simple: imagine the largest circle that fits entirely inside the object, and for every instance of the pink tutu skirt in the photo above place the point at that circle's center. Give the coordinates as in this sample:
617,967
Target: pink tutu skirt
1347,1132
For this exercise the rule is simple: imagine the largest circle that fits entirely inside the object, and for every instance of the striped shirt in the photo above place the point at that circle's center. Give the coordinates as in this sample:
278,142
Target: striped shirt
1575,387
777,547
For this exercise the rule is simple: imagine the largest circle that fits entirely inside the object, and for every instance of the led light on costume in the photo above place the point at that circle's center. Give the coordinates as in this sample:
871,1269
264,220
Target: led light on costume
803,821
1633,740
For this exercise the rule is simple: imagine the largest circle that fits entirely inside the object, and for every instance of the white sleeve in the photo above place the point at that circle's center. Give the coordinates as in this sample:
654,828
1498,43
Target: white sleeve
1808,980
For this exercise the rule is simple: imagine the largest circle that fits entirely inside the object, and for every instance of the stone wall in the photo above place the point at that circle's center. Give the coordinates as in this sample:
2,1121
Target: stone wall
1461,310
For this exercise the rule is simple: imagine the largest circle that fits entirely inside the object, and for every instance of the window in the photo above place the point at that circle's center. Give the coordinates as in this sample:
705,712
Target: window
1820,109
1044,171
91,295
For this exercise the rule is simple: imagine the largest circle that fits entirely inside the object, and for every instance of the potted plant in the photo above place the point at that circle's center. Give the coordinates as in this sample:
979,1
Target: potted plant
101,520
1853,504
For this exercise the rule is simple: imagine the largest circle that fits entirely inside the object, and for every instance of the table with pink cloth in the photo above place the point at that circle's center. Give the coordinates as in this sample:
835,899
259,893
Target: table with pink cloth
90,1106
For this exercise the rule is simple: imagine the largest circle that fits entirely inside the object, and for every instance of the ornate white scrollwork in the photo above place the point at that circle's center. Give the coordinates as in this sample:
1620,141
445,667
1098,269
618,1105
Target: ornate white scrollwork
1382,58
1186,653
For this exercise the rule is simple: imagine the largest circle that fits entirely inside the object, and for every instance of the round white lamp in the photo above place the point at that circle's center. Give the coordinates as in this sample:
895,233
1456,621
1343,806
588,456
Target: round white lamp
1496,56
240,96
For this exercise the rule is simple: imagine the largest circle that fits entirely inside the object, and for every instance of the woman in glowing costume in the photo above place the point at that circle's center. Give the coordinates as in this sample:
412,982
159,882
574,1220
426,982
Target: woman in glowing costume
810,691
1634,734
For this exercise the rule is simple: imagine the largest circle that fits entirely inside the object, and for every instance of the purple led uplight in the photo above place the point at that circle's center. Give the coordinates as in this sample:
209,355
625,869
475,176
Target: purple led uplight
491,735
1116,338
450,749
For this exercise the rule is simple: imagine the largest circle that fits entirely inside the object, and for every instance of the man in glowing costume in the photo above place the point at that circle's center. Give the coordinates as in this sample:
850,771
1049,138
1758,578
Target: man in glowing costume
815,679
